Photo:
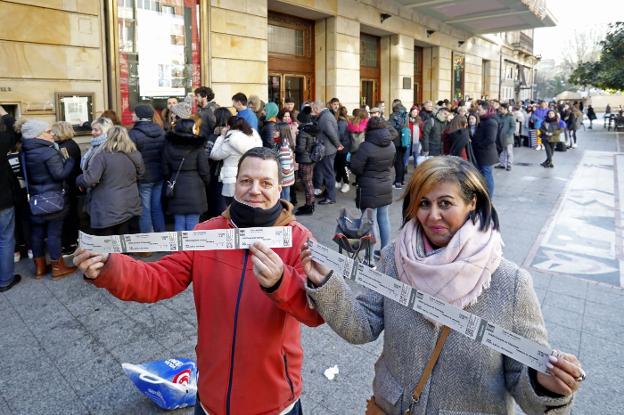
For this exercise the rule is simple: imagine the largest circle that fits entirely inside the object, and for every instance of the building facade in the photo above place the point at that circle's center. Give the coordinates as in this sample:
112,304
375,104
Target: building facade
66,59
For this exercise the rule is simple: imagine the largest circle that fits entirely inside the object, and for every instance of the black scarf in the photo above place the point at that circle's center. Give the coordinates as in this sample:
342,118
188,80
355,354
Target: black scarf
245,216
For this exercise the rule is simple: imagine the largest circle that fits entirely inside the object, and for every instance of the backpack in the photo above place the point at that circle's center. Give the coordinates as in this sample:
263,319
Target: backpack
317,151
406,137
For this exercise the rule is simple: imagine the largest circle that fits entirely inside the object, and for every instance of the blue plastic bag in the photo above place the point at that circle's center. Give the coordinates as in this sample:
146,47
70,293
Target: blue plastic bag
170,383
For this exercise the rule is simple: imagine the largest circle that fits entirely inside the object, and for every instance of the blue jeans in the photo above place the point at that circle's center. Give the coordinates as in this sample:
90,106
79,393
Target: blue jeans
382,217
406,157
486,171
39,229
285,193
152,219
415,151
324,174
7,245
185,222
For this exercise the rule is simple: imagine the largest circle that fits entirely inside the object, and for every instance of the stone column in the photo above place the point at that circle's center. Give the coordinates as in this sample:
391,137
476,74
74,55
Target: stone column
238,48
437,68
472,77
397,62
337,43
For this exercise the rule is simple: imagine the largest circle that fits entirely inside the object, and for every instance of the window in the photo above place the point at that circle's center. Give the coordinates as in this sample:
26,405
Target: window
159,51
369,51
285,40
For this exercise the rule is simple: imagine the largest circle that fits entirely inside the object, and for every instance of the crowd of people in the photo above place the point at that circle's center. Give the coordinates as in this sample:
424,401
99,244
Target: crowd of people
183,161
219,168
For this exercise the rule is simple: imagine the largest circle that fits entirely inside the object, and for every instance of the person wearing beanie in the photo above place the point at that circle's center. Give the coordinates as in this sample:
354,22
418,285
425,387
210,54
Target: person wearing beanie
268,132
149,139
46,172
184,109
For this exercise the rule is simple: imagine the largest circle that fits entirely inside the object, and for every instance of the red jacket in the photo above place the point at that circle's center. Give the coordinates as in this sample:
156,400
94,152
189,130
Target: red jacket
249,351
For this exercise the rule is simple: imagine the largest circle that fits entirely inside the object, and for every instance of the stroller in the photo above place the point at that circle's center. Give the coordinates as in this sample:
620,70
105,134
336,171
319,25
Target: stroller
355,236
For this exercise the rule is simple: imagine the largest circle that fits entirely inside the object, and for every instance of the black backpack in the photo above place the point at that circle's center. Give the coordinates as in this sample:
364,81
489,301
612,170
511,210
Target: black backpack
317,151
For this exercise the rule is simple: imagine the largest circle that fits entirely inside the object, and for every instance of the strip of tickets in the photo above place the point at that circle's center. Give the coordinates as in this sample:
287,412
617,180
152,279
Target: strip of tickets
521,349
217,239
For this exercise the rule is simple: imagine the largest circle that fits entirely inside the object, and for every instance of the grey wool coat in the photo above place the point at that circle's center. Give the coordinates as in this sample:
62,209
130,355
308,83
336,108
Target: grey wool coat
113,180
468,379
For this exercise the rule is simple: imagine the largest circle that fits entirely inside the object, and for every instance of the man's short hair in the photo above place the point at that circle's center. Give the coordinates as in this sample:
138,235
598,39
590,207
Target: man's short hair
317,106
334,99
205,92
289,101
263,153
504,105
240,97
483,103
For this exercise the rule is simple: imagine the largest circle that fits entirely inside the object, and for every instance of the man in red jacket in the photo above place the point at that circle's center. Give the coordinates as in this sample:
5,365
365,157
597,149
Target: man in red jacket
249,303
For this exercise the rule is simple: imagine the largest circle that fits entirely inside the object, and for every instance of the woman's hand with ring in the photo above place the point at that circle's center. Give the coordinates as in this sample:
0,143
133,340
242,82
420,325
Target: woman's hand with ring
565,374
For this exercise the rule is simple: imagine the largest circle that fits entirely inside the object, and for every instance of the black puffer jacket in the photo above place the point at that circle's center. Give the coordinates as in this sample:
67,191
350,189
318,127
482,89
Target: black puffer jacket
45,166
150,141
372,164
484,141
8,137
190,188
305,139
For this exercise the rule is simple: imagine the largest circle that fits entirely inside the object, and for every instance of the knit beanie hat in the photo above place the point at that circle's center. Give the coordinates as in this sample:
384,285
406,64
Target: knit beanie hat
34,128
183,109
144,111
271,110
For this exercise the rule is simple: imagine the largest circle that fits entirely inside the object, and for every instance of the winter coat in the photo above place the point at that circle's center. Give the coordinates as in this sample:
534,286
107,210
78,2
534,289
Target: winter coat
551,131
484,141
190,188
305,139
519,128
328,131
8,183
208,119
344,134
114,196
249,339
230,148
506,128
457,143
267,134
398,120
372,164
73,150
150,141
468,378
432,136
46,169
591,114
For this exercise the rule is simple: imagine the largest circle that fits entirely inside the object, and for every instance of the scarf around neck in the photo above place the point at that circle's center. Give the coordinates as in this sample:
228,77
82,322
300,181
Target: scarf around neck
457,273
245,216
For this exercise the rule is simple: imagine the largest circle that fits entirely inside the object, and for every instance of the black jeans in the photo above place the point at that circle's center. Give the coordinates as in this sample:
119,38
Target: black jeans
550,148
297,409
399,167
129,226
340,165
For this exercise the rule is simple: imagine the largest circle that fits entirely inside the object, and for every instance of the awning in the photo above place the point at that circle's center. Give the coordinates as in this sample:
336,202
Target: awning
486,16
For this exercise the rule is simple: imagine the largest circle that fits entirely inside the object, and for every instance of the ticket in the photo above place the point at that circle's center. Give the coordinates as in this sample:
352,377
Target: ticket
207,240
340,264
151,242
274,237
384,285
102,244
447,314
521,349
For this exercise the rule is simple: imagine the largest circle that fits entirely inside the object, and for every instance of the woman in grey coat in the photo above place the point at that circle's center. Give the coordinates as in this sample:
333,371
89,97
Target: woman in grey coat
448,247
112,175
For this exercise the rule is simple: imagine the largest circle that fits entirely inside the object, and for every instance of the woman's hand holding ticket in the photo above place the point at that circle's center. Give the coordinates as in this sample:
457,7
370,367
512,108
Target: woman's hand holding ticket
89,263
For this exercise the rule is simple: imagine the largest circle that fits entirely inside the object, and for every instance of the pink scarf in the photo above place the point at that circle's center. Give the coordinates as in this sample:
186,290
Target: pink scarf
457,273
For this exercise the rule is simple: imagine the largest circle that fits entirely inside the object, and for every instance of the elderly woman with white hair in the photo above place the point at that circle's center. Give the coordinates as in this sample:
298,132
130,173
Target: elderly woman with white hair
99,129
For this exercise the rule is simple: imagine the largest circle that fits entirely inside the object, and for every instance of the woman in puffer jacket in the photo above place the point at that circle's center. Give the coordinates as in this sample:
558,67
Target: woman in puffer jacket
185,153
237,139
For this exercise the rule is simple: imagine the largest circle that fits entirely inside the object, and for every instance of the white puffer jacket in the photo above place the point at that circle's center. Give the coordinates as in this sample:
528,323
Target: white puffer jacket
230,148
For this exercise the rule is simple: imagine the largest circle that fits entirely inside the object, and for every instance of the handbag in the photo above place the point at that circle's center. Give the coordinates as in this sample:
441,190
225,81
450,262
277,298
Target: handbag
44,203
170,184
373,409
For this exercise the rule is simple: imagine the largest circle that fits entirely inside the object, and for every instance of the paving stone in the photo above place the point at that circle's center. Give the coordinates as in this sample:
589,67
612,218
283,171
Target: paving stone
563,338
564,302
562,317
573,287
143,348
95,372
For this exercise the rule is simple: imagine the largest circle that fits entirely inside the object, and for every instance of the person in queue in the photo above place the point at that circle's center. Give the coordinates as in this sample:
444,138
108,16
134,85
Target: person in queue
449,247
257,346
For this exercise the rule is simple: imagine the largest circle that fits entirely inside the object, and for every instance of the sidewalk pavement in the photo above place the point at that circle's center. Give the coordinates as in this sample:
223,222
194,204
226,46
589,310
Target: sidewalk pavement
62,343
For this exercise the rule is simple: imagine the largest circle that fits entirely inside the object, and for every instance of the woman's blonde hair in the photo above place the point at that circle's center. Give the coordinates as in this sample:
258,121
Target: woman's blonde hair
450,169
118,141
104,123
62,130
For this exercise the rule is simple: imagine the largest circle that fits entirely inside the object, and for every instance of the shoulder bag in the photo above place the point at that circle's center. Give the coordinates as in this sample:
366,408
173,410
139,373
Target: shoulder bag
371,406
44,203
170,184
